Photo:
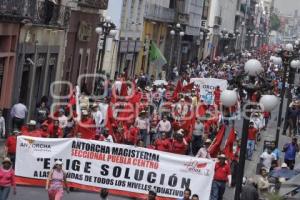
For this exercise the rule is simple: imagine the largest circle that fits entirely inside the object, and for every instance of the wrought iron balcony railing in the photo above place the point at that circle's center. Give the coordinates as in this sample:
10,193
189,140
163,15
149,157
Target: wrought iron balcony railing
37,11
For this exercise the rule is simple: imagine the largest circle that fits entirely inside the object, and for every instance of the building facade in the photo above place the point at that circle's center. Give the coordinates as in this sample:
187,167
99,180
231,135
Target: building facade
130,36
81,43
34,46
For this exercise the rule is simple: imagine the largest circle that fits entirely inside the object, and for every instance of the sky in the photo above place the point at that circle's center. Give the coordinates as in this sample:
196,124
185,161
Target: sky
286,6
114,11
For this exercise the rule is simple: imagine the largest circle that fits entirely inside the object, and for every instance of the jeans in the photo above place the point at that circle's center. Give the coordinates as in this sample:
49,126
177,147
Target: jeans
143,136
17,123
4,192
250,148
217,190
196,143
290,163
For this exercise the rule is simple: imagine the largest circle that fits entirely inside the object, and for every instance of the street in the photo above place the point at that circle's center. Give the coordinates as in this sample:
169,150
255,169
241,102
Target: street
24,193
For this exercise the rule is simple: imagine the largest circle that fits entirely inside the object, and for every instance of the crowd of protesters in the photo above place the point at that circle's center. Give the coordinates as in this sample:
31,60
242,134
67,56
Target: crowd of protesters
166,116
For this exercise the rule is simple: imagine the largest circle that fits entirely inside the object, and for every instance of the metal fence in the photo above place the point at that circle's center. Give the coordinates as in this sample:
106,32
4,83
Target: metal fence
38,12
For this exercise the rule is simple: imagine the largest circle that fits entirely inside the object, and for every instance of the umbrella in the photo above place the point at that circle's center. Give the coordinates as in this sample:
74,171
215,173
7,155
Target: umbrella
283,173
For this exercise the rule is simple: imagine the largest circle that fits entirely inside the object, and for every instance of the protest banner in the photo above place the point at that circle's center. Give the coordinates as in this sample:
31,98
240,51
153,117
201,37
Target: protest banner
129,170
209,84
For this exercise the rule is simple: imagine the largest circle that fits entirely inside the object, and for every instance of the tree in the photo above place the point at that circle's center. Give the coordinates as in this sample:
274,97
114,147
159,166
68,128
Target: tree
275,22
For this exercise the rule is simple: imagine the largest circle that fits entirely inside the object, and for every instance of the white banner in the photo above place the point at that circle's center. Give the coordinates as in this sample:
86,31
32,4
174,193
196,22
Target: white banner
209,84
115,166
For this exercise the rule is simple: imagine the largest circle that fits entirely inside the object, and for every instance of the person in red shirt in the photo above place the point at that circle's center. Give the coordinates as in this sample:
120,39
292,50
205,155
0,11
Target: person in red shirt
32,131
221,177
55,131
163,143
118,135
217,95
86,126
178,144
131,135
44,130
252,132
11,146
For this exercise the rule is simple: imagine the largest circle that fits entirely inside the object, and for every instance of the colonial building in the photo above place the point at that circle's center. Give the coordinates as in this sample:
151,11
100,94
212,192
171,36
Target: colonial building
81,42
33,47
131,30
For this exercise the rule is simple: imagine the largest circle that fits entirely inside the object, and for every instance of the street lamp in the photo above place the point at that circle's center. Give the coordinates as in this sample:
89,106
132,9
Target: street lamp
254,82
105,28
176,30
287,56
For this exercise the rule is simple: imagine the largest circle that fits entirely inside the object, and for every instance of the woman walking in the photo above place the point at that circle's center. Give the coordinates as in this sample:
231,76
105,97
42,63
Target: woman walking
56,181
7,179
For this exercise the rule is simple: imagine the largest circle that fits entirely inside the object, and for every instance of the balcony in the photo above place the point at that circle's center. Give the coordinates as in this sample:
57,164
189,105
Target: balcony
158,13
96,4
36,11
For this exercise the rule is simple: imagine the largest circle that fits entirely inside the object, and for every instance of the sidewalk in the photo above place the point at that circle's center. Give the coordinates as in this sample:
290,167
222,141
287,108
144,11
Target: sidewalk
269,134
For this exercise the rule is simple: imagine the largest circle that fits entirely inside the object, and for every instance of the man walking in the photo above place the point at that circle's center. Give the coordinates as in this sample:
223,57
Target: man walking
18,114
222,176
290,150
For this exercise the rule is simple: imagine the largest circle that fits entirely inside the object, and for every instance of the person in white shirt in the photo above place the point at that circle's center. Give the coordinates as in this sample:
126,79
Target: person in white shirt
63,120
106,137
197,136
103,106
266,159
2,125
97,116
18,113
163,125
143,124
203,151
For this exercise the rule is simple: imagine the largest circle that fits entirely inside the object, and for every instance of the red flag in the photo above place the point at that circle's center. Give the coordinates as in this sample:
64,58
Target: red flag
124,89
215,146
177,90
228,149
136,98
188,87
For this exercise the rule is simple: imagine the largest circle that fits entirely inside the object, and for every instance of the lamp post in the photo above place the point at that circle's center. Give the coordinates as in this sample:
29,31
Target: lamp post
286,57
204,33
106,28
176,30
254,82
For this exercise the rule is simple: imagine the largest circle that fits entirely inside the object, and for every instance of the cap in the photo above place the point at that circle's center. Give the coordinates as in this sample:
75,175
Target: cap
94,105
16,131
58,162
32,122
84,112
284,165
6,160
222,156
208,141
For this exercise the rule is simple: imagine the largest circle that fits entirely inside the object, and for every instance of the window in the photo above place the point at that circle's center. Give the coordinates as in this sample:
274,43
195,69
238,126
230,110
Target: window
172,4
2,62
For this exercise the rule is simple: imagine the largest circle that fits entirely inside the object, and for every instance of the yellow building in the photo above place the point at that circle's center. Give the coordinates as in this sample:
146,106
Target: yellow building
153,32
